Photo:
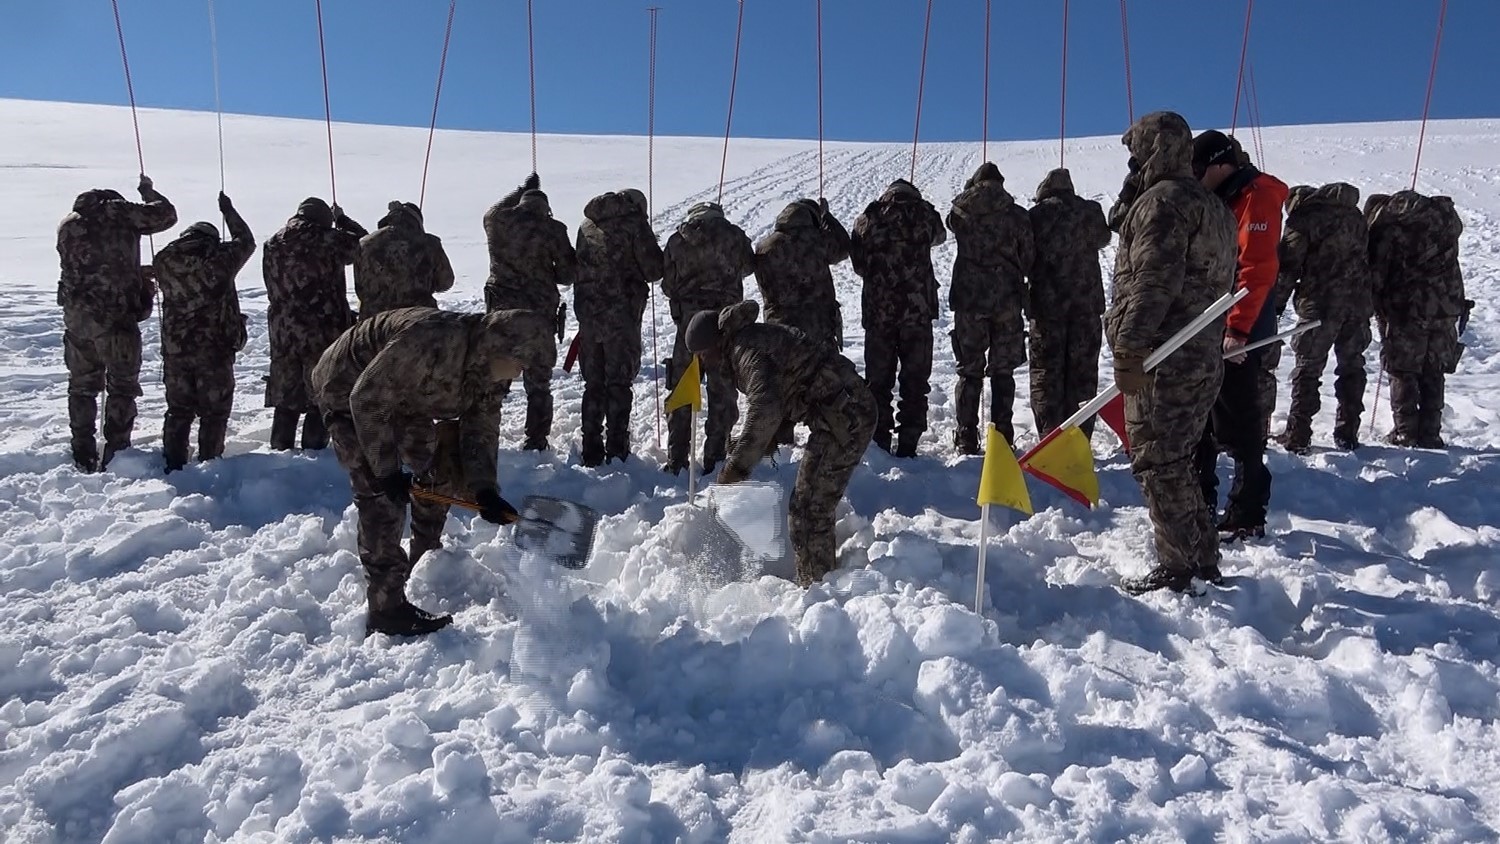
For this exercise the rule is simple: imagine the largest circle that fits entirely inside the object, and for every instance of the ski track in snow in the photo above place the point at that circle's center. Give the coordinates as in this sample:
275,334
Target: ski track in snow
182,657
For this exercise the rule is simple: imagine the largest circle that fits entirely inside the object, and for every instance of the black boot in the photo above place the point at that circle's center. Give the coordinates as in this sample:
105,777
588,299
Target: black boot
314,432
906,444
882,438
284,429
966,441
175,435
212,431
83,412
405,619
1158,578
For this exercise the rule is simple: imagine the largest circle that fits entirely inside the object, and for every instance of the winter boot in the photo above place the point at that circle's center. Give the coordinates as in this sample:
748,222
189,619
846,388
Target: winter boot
1400,439
1346,436
882,438
83,414
617,428
1235,529
1160,577
533,444
1296,439
175,435
405,619
119,423
212,430
966,404
314,431
906,444
284,428
966,441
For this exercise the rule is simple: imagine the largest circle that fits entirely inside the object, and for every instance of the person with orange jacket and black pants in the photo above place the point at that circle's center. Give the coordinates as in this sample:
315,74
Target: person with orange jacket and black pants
1238,422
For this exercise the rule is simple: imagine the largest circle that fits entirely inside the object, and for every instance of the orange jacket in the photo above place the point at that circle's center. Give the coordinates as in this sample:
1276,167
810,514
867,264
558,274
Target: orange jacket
1257,209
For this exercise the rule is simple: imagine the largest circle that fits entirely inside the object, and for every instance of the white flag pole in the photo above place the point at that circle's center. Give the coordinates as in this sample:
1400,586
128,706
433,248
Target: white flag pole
984,542
1302,328
692,452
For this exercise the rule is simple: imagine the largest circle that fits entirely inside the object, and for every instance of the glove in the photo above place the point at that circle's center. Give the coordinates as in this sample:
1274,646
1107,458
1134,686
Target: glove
146,185
226,207
1463,320
733,473
397,487
1232,345
1130,371
533,182
494,509
562,320
823,206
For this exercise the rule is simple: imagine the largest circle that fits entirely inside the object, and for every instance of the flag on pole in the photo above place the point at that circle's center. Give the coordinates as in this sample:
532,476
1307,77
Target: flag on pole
1000,480
688,392
1067,462
1113,415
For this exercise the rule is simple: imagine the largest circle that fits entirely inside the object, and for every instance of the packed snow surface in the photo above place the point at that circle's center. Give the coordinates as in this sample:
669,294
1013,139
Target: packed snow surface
181,658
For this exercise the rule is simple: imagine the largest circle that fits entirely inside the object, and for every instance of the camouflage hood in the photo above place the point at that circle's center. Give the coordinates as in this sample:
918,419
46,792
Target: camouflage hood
1295,195
315,211
535,202
1162,144
802,214
985,193
402,215
92,199
611,206
1059,182
735,317
526,336
203,231
901,191
1336,193
702,220
987,172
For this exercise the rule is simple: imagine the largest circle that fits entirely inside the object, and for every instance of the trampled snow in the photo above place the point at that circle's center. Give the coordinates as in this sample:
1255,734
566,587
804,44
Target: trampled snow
181,657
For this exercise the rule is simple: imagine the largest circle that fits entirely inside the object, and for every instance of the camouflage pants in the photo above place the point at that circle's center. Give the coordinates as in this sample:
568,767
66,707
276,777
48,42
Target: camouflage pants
100,358
289,391
202,388
722,408
840,427
538,386
987,345
1347,337
381,521
1418,357
1064,368
909,347
609,358
1268,380
1165,423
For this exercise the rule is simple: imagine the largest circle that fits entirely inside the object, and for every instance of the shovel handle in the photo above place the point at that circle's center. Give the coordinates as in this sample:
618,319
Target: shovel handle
439,498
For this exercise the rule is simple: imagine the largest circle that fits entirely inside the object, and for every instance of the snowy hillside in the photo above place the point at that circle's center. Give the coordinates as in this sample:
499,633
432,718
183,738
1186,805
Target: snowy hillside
181,658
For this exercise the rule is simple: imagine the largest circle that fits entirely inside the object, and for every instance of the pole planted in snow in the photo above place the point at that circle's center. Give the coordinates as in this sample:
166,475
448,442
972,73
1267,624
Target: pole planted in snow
984,541
692,452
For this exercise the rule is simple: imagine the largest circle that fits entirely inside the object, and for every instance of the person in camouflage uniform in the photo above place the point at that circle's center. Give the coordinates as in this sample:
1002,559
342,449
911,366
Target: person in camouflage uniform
891,250
1177,255
307,307
1325,274
706,262
1420,307
786,376
381,385
618,257
105,294
530,258
793,268
400,265
1268,380
201,332
988,299
1066,301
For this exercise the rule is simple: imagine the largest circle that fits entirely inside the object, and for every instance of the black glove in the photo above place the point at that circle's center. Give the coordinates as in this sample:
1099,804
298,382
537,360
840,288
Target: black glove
823,206
1463,319
397,487
562,320
533,182
146,185
226,207
494,509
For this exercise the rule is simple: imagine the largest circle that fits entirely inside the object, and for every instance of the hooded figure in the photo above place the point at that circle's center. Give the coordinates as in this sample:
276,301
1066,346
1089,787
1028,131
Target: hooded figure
786,378
1066,301
307,307
793,268
400,265
105,295
530,259
705,264
381,386
201,332
890,248
1176,256
618,258
988,298
1325,274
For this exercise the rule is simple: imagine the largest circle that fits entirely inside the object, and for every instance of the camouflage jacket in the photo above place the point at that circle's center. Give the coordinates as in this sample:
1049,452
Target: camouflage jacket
200,307
1069,231
99,245
792,264
995,248
422,364
1414,260
891,249
400,266
307,289
705,264
1177,250
618,257
1324,247
530,257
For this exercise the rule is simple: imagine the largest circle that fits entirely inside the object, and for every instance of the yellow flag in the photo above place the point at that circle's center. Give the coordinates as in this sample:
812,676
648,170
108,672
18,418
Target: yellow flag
1000,481
688,392
1067,463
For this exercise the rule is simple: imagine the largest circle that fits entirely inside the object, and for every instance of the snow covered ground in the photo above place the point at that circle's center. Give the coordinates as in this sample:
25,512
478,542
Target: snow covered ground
181,657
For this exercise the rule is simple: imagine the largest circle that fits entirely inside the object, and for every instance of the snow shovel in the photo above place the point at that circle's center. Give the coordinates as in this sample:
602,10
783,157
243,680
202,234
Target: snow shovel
562,530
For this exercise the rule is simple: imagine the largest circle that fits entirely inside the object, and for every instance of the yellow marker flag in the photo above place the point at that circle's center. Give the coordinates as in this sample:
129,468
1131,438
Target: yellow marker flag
688,392
1000,481
1067,462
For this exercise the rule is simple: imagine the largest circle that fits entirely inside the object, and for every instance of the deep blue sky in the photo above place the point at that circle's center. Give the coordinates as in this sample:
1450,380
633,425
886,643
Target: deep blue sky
1314,61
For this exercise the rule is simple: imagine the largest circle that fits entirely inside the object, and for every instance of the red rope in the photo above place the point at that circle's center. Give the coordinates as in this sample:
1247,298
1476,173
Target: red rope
436,97
531,66
819,7
1129,88
1255,119
984,144
333,183
651,201
1062,134
1239,81
921,86
734,79
135,121
1427,103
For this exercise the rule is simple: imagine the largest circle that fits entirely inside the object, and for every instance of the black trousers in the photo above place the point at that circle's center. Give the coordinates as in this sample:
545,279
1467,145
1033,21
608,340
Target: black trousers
1237,423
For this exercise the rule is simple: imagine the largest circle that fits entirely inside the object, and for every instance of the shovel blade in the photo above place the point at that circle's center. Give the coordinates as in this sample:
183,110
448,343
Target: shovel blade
562,530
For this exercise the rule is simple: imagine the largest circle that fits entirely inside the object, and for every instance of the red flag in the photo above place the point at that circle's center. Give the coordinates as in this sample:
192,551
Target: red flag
1113,415
572,356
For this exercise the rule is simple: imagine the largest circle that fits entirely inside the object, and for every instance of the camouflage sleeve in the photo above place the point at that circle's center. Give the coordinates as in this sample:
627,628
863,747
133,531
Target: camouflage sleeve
565,259
1158,262
378,397
344,244
479,442
1097,228
857,238
491,218
835,240
648,257
443,276
153,216
671,277
763,415
348,225
747,256
234,255
1025,242
935,223
1292,255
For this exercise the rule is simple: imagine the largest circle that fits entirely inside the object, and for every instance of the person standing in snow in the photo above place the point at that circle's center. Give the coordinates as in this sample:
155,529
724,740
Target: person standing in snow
1270,356
618,258
530,258
381,386
1176,257
1420,308
201,332
307,307
891,250
785,376
400,265
1238,422
1066,301
988,298
105,294
1325,273
706,262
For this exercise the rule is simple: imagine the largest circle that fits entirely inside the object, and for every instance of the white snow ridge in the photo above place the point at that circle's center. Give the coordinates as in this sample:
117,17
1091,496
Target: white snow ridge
181,657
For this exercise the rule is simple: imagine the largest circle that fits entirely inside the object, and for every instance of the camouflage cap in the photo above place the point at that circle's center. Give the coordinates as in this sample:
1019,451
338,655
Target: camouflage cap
705,209
702,332
535,201
315,210
202,228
